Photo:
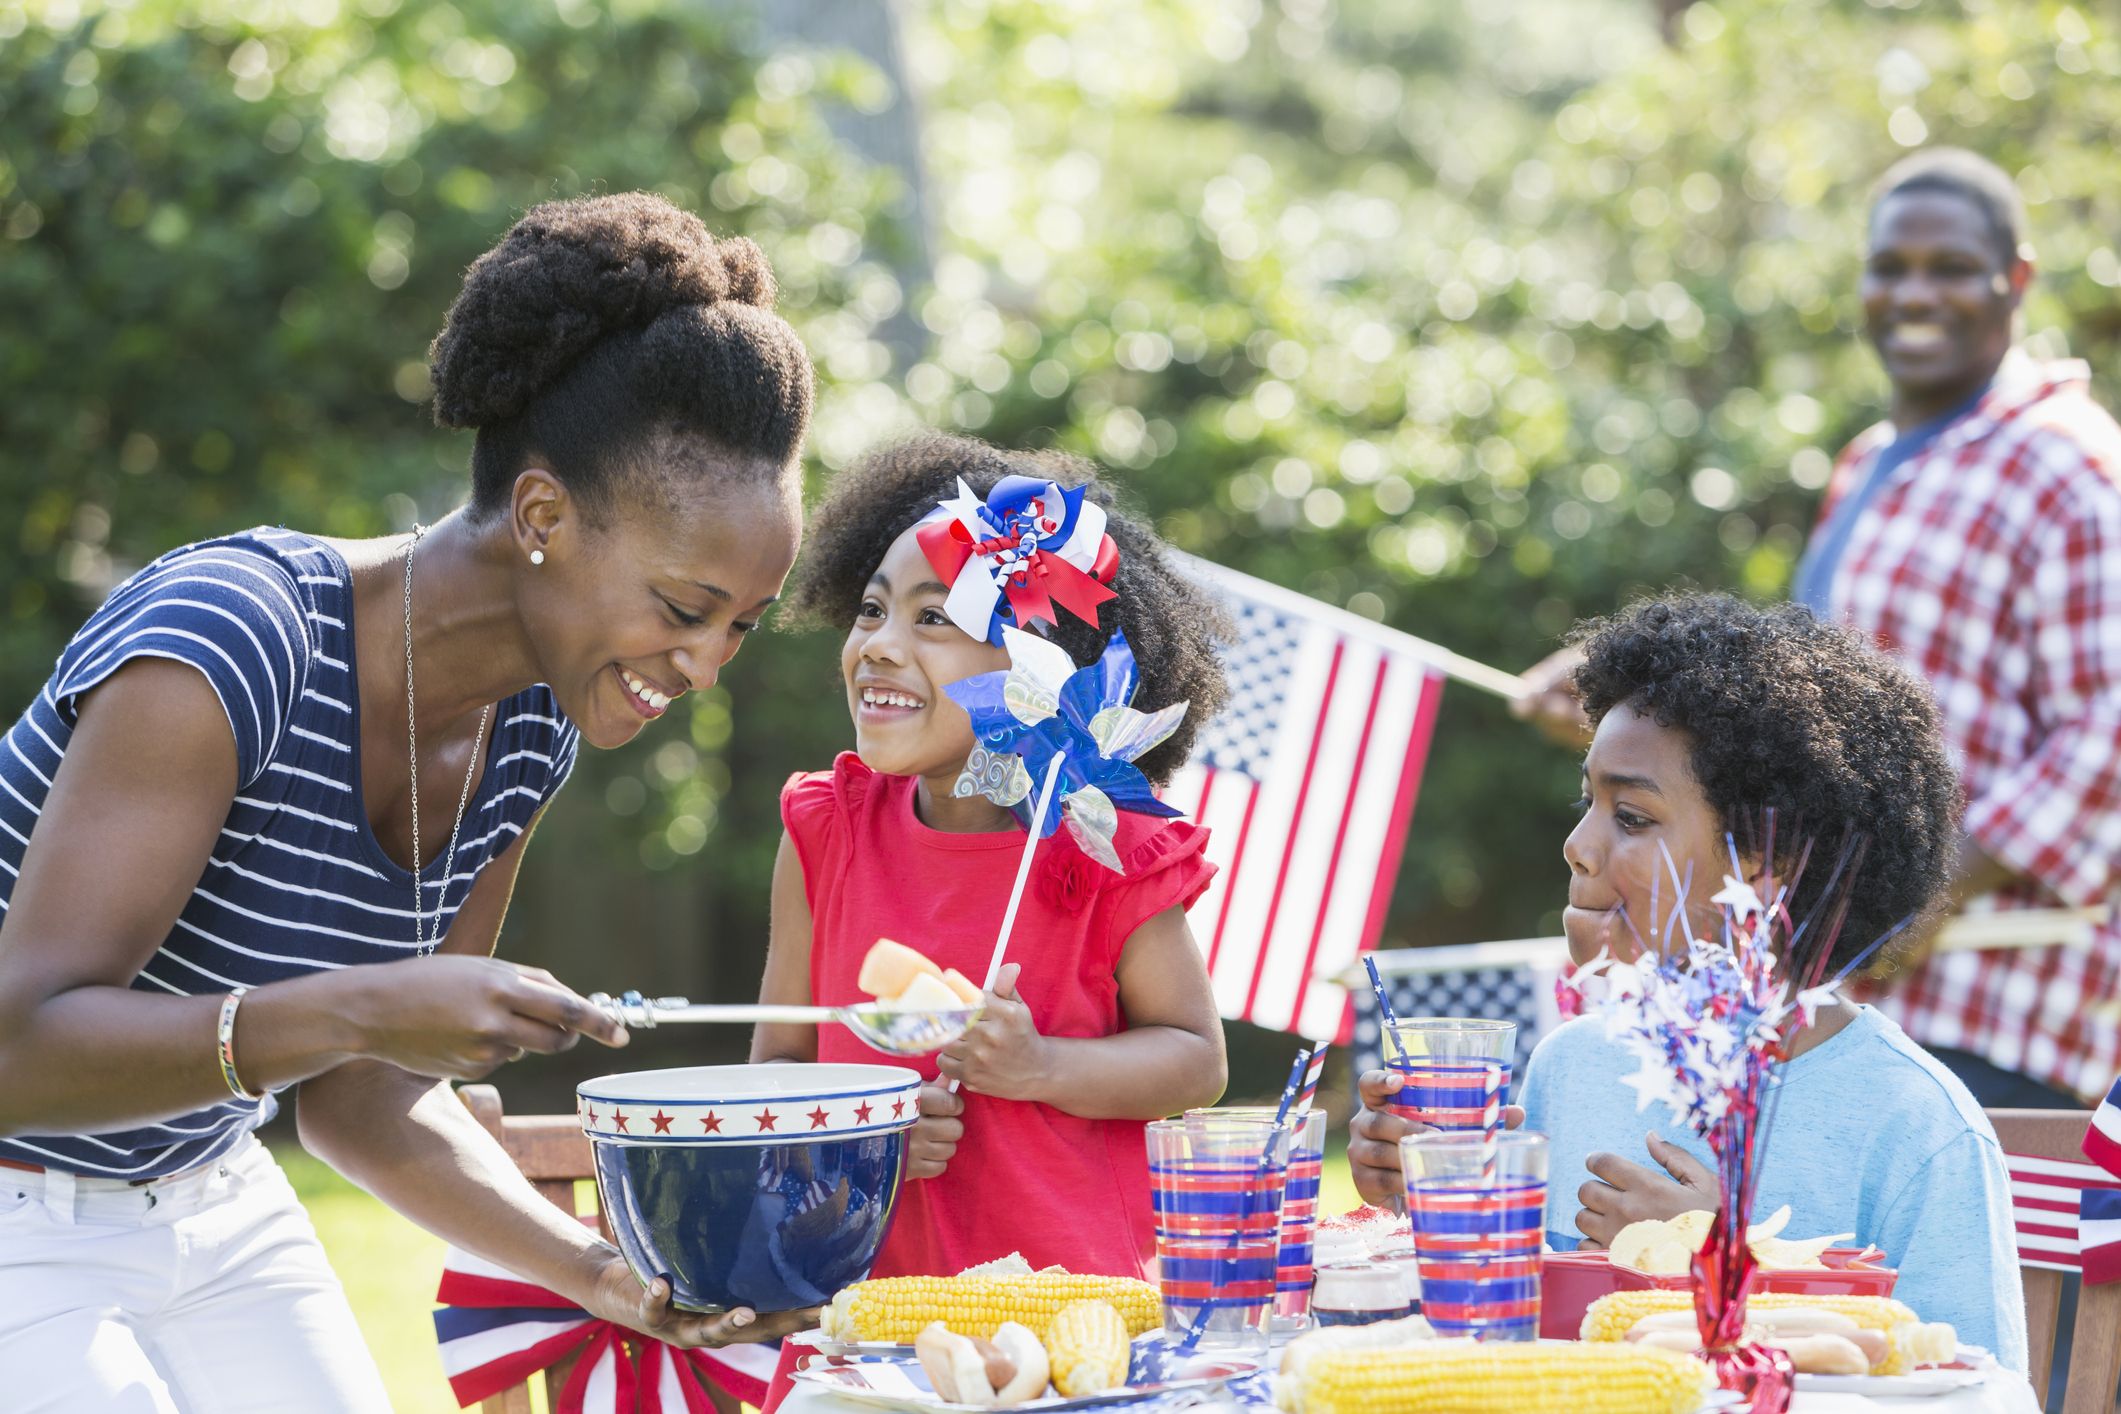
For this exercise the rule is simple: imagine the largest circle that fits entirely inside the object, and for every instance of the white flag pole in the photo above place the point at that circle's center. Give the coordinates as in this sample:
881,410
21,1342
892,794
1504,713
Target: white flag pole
1455,666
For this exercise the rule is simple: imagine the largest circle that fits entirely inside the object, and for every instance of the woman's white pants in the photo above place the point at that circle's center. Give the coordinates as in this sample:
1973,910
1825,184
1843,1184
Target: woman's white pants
203,1293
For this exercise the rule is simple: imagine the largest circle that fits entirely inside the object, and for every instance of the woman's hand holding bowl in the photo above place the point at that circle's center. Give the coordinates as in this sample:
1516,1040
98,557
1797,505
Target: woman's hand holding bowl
616,1296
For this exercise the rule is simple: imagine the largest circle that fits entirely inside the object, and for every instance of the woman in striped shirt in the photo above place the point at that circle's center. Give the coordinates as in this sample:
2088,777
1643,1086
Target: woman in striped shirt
218,880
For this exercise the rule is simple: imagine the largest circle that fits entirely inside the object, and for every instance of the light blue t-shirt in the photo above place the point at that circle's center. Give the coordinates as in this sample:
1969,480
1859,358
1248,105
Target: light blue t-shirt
1871,1135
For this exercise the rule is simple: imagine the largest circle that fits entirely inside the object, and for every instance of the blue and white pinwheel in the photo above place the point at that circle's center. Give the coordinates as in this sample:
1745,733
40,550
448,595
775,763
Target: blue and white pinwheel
1042,708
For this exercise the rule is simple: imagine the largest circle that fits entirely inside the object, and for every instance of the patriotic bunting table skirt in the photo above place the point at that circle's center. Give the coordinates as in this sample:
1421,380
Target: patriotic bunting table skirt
496,1330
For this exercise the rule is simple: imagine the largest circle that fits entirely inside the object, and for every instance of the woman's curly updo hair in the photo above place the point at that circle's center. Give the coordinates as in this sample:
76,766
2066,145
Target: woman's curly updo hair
1787,713
611,339
1172,627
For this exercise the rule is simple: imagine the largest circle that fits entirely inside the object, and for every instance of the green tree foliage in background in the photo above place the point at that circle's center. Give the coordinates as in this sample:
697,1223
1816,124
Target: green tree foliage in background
1473,317
228,232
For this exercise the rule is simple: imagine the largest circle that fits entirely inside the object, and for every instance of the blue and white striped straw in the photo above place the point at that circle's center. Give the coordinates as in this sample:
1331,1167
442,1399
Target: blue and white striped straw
1387,1019
1289,1093
1308,1095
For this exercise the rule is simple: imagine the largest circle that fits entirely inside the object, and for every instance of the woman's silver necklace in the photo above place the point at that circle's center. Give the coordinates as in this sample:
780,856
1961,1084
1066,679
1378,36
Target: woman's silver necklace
428,939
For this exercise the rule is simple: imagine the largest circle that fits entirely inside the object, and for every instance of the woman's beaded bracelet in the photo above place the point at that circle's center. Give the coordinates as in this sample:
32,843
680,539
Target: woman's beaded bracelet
225,1036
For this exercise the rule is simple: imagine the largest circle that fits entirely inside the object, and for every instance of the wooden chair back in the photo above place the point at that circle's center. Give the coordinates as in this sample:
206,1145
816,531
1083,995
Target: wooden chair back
2095,1342
554,1155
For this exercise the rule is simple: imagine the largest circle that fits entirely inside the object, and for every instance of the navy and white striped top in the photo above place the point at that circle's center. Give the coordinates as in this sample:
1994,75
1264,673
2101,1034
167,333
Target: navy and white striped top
297,881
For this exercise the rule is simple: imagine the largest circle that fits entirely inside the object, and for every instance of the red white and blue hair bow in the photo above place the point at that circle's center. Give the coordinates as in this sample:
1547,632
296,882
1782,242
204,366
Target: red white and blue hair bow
497,1330
1011,559
1043,707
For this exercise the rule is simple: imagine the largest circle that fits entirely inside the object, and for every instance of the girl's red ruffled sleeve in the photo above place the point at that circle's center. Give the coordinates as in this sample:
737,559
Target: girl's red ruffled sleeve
1168,868
816,807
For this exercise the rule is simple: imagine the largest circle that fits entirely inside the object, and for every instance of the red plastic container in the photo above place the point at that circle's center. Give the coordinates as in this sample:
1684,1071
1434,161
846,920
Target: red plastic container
1571,1281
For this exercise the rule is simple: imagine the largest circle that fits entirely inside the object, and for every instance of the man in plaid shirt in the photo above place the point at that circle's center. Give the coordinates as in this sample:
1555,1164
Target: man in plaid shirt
1977,535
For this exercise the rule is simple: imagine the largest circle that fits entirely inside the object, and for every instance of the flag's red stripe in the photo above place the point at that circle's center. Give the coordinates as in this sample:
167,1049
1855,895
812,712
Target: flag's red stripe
1296,820
1340,838
2047,1205
1237,866
1207,789
1200,817
2074,1185
1388,861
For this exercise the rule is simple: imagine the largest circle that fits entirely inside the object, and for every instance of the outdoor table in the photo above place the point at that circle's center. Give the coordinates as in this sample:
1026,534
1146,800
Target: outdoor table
2001,1393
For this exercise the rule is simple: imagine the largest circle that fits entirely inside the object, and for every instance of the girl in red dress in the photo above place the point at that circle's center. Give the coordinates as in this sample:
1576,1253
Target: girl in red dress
1104,1018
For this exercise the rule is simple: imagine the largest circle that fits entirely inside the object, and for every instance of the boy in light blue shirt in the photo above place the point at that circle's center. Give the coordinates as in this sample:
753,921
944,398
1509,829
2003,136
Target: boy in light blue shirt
1710,713
1872,1136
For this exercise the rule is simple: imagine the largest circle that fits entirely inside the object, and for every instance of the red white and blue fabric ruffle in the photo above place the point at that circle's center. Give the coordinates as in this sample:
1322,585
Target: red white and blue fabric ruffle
497,1330
2099,1209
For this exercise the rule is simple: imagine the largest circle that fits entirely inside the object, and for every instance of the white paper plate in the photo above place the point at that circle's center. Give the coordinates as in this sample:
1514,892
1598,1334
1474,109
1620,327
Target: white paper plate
903,1385
1921,1384
849,1349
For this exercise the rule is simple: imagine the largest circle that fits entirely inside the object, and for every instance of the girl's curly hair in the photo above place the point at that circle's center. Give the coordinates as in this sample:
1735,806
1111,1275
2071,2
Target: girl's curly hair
1172,626
1784,712
604,333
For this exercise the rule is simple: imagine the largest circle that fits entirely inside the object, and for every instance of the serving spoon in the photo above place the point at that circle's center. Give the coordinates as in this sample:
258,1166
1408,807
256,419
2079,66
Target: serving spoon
897,1031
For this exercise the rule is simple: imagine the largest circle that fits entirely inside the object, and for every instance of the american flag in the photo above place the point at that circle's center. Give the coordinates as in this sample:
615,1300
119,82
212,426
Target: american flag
1307,781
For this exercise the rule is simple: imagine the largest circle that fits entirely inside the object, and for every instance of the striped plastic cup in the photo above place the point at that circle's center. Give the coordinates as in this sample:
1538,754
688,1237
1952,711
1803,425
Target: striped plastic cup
1455,1070
1299,1210
1478,1206
1216,1184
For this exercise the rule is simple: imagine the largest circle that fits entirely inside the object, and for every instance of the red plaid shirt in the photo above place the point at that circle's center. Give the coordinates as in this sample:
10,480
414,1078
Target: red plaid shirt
1990,564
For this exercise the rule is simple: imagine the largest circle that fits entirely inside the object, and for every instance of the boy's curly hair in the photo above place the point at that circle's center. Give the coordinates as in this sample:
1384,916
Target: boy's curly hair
1785,712
1172,626
612,339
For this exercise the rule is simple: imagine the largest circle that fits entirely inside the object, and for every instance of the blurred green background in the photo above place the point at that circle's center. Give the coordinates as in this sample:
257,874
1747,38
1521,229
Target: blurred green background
1474,316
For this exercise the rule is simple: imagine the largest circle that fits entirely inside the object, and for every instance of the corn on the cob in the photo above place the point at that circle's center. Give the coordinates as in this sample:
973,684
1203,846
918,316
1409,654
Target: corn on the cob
1378,1335
1546,1377
896,1309
1911,1341
1087,1348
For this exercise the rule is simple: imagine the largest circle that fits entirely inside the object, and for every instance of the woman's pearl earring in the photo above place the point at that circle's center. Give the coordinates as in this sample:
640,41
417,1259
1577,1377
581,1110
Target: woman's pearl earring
537,557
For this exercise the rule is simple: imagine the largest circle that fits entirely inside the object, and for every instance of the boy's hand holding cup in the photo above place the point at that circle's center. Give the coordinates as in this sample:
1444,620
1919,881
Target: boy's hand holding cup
1374,1134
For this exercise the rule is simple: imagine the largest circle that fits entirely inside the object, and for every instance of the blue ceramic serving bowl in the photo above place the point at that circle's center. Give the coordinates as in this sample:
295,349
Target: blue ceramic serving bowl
768,1186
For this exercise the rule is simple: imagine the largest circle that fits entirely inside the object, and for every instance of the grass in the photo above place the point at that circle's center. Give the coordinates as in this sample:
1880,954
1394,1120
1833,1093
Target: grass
390,1269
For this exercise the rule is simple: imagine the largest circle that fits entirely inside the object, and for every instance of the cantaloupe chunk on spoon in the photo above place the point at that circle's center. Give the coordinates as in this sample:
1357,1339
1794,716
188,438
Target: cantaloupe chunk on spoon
890,968
967,990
